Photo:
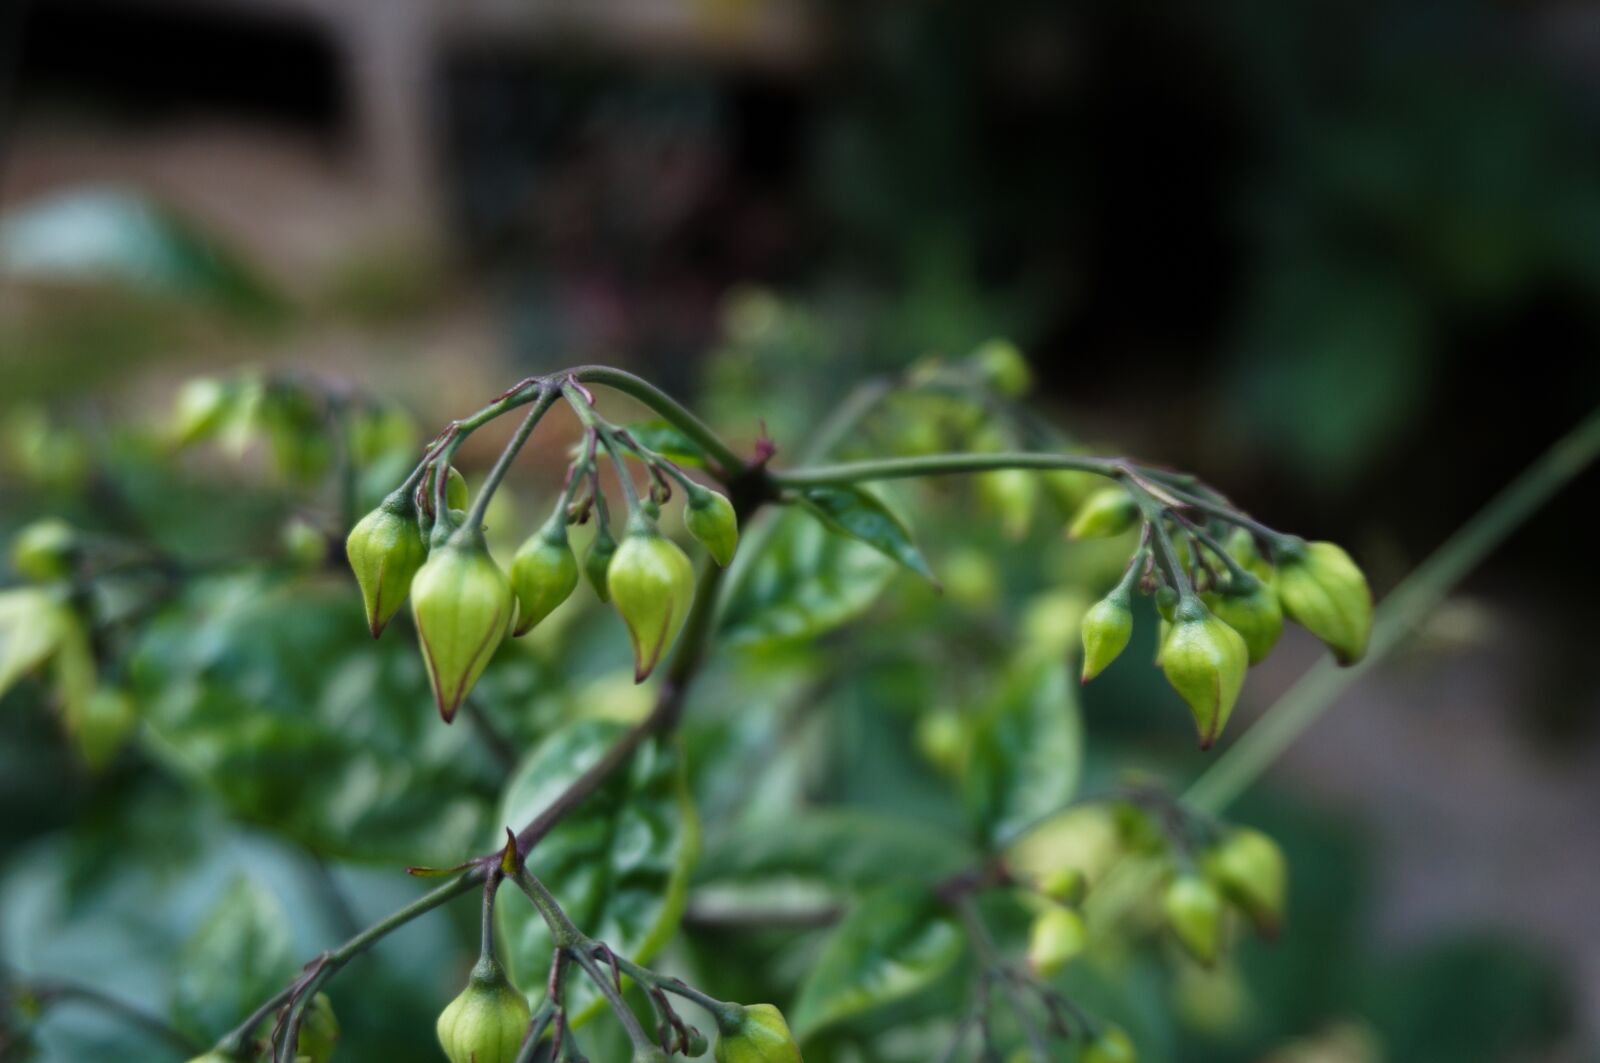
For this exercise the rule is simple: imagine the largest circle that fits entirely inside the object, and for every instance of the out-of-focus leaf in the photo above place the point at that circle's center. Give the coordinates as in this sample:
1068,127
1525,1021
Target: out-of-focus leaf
32,625
807,581
240,954
619,863
668,441
847,849
858,513
275,697
1027,750
894,944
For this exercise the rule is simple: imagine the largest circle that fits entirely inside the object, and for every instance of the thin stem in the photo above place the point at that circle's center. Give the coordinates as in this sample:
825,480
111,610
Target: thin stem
563,931
546,397
1242,576
57,992
674,412
608,989
994,968
852,472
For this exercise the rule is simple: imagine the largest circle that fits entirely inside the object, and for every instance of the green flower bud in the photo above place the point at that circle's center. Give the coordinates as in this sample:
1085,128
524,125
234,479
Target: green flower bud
487,1022
1205,661
1112,1045
543,573
1056,937
941,737
45,550
1324,592
1107,626
758,1035
1109,511
319,1032
1249,869
1254,613
1194,912
709,517
201,408
462,604
386,549
1003,368
303,543
597,562
455,489
652,585
1068,488
1064,885
1013,494
666,1033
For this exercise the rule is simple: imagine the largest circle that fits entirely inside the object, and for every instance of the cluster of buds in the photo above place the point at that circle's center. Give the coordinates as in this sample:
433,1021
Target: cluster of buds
425,541
1222,584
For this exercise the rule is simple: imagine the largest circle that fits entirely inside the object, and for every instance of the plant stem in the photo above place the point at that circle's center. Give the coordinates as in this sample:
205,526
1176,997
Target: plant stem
993,967
674,412
852,472
546,397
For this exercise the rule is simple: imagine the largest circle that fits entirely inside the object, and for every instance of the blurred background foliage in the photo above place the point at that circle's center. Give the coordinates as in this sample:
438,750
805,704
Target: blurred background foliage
1342,259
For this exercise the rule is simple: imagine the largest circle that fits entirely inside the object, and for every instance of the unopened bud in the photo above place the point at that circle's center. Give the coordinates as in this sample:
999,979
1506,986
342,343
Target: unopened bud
543,573
709,517
1107,626
1111,1045
652,585
1254,613
1055,938
1109,511
45,550
1194,912
1003,368
597,562
462,604
1324,592
1064,885
304,544
386,549
1013,495
1249,869
1205,661
487,1022
759,1034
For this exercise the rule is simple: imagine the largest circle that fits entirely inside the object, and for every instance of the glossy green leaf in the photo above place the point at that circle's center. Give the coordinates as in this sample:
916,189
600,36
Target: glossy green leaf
860,514
240,954
805,582
1027,749
275,697
894,944
619,863
668,441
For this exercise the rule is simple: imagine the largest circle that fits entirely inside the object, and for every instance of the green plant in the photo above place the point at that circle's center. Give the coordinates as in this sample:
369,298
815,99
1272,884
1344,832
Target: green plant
601,834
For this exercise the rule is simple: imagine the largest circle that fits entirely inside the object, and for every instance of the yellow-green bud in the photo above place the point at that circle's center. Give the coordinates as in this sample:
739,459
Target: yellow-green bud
1194,912
487,1022
1068,488
709,517
1112,1045
1003,368
597,562
462,604
319,1032
543,573
44,550
200,410
1013,494
1064,885
1249,869
941,737
758,1035
304,544
1205,661
386,549
1109,511
1107,626
1055,938
1324,592
652,585
1254,613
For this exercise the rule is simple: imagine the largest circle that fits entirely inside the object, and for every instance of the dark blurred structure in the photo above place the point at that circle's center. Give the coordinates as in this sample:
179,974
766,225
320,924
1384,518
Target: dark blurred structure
1344,255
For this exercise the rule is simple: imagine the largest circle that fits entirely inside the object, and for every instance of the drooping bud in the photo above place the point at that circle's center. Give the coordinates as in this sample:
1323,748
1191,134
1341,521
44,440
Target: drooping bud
709,517
652,585
543,573
45,550
1064,885
1055,938
597,562
386,549
1111,1045
1254,612
758,1034
486,1023
462,604
1194,912
1205,661
1003,368
1249,869
1109,511
1324,592
1107,626
319,1032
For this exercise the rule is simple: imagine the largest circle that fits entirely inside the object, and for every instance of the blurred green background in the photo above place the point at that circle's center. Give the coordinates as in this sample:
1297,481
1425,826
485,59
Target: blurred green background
1342,259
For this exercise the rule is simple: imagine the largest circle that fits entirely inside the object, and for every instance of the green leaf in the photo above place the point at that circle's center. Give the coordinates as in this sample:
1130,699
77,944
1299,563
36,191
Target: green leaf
241,954
848,848
619,863
274,697
894,944
1027,749
860,514
668,441
807,581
